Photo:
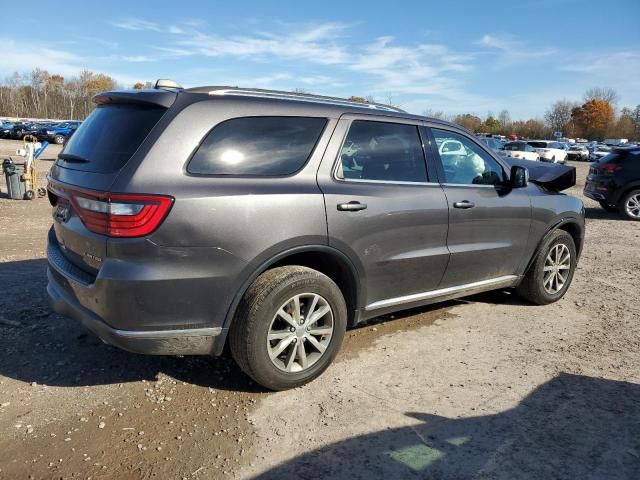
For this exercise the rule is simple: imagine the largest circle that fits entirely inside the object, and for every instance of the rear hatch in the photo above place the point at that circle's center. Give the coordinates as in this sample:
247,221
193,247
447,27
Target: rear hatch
87,167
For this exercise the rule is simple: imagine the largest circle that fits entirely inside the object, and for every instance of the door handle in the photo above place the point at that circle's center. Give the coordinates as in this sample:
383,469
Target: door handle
351,206
464,204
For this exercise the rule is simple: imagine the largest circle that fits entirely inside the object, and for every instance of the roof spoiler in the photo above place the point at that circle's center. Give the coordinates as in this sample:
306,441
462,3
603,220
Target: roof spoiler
160,97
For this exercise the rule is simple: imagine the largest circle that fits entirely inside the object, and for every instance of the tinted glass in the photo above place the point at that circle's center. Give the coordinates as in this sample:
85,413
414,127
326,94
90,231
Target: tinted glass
382,151
514,147
266,146
468,165
108,138
556,145
538,144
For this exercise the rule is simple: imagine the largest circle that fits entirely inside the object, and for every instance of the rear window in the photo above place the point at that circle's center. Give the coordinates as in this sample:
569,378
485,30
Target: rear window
108,138
514,147
538,144
262,146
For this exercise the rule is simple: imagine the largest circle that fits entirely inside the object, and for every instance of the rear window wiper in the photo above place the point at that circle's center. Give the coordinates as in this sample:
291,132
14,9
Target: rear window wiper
68,157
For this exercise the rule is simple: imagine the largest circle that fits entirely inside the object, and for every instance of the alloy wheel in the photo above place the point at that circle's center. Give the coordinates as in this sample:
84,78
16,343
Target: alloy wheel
557,267
632,206
300,332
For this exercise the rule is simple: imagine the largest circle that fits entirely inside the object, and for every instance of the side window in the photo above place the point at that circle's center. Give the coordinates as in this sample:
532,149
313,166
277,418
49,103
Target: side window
468,164
266,146
382,151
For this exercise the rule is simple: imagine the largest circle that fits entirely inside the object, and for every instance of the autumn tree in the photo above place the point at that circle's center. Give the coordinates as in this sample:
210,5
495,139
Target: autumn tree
490,125
39,94
558,116
468,121
606,94
505,120
593,118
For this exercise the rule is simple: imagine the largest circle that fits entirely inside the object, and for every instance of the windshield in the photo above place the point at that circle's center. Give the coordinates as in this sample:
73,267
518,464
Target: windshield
108,138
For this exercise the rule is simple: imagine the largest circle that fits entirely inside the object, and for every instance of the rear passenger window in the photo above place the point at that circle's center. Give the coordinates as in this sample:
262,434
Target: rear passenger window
383,152
266,146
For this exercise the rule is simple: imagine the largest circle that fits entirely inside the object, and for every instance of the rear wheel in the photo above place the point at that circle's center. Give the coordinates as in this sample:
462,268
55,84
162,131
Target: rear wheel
630,205
552,271
289,327
58,139
608,207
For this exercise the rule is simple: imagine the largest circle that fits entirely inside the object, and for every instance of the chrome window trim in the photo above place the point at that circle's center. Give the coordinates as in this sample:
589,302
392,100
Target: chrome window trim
506,280
469,185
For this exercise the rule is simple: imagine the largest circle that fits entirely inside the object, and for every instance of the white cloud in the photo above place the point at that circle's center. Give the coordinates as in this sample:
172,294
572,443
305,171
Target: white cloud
316,45
509,50
137,24
137,58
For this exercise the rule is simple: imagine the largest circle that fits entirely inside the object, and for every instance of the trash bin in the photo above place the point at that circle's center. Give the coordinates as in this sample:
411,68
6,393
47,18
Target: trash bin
16,187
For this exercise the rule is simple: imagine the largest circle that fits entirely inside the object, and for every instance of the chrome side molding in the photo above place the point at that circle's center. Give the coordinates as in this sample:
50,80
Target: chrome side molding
505,281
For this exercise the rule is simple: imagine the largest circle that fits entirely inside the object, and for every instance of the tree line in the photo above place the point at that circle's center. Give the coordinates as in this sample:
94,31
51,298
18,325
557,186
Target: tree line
595,118
39,94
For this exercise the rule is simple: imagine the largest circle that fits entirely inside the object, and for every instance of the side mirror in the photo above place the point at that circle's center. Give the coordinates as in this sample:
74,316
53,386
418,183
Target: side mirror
519,177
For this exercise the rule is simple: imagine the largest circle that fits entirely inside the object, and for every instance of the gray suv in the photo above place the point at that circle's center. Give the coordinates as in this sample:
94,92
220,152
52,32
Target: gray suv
182,217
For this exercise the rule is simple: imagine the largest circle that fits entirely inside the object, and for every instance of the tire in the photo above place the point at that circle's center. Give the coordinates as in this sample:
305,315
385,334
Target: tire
630,205
58,139
29,195
534,287
258,316
553,159
607,207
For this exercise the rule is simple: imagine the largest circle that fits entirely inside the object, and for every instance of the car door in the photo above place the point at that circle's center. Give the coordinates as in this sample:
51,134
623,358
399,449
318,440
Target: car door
383,210
488,222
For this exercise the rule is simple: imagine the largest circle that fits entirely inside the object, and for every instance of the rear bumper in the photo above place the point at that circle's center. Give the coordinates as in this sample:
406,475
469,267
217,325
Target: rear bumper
196,341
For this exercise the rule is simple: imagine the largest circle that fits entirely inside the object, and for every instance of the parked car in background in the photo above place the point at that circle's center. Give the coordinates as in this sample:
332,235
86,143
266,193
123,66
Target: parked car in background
18,130
520,150
614,182
598,152
549,151
58,133
5,130
578,152
183,216
614,142
494,144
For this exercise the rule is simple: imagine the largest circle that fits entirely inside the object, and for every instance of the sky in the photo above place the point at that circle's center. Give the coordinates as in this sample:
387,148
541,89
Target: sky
451,56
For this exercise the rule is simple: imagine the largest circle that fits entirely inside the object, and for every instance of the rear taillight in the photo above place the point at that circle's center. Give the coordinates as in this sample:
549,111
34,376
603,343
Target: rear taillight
121,215
610,167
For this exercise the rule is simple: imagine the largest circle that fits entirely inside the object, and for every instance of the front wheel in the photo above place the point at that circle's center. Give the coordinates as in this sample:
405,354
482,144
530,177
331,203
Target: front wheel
630,205
58,139
289,327
552,271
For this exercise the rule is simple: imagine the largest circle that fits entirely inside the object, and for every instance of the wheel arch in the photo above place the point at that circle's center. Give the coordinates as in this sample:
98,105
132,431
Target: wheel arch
569,225
634,185
322,258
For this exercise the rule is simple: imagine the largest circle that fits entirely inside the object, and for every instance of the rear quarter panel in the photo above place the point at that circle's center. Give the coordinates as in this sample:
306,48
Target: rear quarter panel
221,228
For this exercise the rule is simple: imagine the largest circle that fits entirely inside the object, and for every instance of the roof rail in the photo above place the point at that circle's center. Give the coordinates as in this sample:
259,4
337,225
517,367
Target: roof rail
303,97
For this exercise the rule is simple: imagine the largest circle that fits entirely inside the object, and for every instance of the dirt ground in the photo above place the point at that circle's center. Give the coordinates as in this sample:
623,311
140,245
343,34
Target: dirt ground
485,387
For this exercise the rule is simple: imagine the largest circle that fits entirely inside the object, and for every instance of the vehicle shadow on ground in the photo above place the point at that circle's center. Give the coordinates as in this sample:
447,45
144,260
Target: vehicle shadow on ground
570,427
40,346
595,213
